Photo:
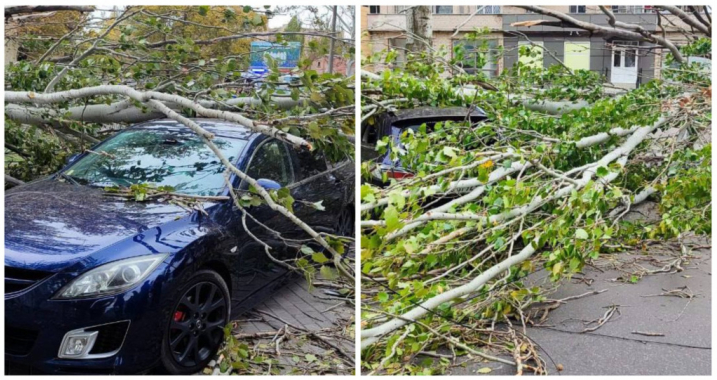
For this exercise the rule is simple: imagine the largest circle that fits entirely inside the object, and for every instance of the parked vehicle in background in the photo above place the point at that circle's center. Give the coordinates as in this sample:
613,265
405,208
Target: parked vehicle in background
98,284
393,124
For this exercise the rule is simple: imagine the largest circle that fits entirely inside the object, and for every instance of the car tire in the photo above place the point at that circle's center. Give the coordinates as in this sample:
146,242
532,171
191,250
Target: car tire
202,331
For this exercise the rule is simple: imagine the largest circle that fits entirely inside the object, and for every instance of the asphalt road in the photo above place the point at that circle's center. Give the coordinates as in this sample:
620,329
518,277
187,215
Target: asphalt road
614,349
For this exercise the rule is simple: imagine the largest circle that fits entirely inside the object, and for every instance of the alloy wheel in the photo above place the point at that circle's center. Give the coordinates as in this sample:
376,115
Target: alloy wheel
196,329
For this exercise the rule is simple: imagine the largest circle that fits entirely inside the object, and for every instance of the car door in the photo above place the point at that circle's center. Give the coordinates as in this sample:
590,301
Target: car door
317,184
253,267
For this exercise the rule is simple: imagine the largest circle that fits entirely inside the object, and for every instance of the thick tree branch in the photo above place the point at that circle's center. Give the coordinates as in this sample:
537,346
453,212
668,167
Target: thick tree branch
620,154
598,30
58,97
687,19
11,11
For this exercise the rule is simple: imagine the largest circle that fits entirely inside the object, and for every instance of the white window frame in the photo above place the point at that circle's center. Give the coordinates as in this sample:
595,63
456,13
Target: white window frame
436,7
489,9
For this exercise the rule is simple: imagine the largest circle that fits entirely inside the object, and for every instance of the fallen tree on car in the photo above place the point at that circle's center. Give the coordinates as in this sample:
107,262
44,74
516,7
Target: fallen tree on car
146,63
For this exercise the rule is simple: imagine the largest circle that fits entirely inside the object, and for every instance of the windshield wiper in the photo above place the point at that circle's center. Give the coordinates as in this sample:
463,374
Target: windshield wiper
68,178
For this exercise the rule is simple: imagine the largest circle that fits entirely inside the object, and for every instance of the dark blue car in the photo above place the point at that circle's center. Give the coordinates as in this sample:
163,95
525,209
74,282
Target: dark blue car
99,284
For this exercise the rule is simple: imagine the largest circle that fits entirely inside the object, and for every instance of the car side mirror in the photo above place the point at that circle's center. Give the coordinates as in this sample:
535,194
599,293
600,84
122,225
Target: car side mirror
268,184
73,158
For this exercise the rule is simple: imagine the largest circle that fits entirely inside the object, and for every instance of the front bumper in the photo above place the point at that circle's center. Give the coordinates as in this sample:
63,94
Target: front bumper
35,327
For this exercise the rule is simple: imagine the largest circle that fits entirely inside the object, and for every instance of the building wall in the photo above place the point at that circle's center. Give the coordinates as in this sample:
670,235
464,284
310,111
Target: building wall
321,65
389,23
365,38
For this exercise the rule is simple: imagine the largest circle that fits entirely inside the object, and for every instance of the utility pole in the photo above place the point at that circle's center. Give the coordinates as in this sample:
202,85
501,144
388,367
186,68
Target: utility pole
333,40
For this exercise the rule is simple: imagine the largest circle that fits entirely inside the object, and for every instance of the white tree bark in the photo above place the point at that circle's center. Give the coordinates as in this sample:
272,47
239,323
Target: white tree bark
371,336
122,111
547,106
143,97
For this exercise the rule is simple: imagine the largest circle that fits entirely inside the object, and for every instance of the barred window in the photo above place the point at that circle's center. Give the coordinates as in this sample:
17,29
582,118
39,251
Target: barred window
489,9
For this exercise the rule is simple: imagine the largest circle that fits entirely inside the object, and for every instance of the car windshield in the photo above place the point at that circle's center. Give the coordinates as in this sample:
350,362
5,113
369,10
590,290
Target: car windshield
161,157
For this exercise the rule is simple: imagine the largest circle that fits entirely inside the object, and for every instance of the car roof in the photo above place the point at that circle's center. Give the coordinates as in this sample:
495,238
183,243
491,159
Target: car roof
385,121
437,114
218,127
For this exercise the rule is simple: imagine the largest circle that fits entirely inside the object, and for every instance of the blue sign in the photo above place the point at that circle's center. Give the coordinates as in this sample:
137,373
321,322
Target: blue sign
287,55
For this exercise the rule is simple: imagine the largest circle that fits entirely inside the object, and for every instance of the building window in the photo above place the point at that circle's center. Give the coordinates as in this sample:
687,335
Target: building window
443,9
481,55
577,8
400,9
632,9
616,58
374,9
489,9
630,58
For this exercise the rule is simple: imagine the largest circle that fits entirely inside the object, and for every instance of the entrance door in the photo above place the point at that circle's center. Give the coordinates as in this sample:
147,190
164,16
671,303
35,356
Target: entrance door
624,63
535,58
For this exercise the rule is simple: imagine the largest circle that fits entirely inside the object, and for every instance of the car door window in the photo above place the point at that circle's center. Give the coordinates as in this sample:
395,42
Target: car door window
271,161
311,163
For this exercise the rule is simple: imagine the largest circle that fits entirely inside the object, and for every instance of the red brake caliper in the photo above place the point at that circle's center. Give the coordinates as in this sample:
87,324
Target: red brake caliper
178,316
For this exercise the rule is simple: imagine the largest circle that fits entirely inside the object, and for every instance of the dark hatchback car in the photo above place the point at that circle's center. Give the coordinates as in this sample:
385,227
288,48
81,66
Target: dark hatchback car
97,284
394,123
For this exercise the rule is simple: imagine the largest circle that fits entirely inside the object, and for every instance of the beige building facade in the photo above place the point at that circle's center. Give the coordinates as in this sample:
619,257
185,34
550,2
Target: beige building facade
623,63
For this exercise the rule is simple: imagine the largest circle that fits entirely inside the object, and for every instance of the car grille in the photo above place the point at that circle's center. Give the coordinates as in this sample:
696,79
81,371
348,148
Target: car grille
17,279
12,368
110,337
19,341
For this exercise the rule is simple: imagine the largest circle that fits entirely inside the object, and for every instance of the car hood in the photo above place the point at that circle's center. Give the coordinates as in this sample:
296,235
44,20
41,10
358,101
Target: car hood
51,224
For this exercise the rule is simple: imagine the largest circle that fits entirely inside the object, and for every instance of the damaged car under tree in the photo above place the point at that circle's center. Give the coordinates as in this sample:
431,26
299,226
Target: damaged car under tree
99,284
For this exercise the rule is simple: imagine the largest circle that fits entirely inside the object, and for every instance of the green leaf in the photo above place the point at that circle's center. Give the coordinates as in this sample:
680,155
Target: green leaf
390,215
319,257
581,234
328,273
602,171
557,268
450,152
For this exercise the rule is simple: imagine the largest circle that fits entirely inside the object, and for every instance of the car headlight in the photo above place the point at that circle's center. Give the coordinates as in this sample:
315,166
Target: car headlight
111,278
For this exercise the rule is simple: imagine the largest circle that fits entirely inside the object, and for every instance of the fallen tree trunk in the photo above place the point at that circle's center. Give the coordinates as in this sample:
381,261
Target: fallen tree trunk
620,154
178,101
546,106
124,111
